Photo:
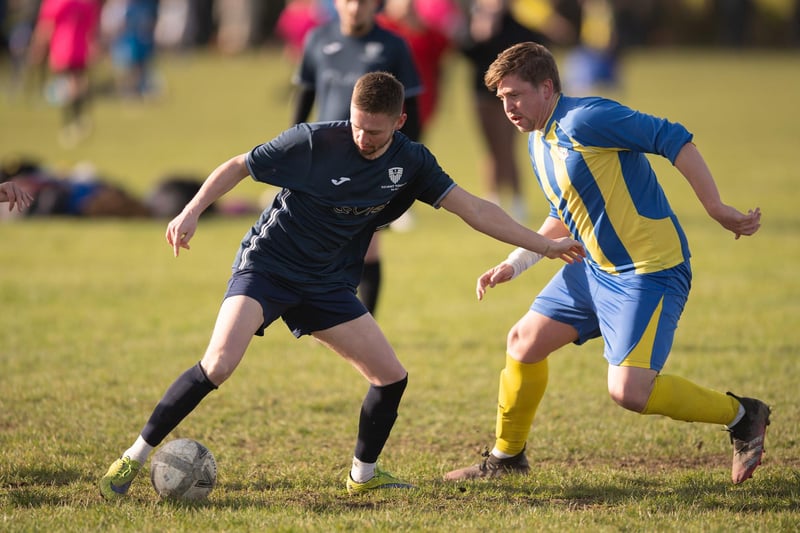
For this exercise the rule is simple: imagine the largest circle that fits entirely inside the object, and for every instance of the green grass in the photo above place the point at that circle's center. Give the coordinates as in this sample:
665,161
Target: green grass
98,318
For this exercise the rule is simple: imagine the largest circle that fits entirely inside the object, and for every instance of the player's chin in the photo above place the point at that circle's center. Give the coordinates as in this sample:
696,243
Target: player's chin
521,124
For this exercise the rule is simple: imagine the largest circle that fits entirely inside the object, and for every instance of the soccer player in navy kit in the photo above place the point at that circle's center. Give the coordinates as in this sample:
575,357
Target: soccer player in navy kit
588,155
301,261
335,55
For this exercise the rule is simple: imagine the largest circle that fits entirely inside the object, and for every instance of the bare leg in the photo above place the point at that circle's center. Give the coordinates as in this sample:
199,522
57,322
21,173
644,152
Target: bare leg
361,342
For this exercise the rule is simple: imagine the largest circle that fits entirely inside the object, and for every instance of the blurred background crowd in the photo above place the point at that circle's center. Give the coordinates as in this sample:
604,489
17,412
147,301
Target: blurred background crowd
234,26
57,51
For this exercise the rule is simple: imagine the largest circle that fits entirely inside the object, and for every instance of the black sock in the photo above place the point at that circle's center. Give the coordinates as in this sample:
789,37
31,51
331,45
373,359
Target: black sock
378,413
180,399
370,285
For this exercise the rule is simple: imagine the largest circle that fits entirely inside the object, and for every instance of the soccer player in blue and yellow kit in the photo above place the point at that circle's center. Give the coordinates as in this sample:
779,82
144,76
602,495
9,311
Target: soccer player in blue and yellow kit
301,261
588,155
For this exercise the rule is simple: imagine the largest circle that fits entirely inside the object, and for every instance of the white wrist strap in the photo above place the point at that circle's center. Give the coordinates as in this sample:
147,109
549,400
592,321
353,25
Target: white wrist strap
521,260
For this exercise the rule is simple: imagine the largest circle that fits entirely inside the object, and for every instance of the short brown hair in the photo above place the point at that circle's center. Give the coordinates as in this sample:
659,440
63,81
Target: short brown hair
379,92
529,61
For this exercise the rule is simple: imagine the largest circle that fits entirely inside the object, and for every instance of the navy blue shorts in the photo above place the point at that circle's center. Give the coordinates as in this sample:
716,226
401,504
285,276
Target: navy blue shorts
303,312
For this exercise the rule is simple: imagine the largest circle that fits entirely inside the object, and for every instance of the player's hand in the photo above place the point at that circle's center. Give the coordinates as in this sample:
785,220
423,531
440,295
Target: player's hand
180,231
566,249
737,222
499,274
15,196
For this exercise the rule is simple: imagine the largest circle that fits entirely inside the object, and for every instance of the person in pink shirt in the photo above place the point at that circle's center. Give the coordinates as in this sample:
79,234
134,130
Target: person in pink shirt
65,35
445,16
295,21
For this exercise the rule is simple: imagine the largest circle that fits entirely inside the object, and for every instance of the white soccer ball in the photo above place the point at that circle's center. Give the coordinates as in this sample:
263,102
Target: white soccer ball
183,469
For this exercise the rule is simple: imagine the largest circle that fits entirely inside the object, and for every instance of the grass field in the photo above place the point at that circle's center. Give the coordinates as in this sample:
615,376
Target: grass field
98,318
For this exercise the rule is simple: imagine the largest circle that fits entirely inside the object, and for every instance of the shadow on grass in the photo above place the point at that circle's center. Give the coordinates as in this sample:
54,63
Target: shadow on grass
702,491
34,497
29,486
771,492
34,476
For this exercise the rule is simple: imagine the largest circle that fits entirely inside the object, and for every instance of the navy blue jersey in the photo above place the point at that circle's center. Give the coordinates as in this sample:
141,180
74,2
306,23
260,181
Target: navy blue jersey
332,63
318,227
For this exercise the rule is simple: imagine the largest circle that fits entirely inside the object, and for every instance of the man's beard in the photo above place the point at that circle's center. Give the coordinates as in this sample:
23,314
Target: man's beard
369,154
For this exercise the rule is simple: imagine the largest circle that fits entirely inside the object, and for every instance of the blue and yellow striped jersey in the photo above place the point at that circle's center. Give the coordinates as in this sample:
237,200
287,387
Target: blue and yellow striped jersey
590,162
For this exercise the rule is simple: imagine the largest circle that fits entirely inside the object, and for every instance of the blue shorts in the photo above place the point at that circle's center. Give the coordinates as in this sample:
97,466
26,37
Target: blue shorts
303,312
636,314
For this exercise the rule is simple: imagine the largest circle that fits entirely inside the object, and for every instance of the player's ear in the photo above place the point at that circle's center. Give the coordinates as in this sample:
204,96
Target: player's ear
547,85
401,121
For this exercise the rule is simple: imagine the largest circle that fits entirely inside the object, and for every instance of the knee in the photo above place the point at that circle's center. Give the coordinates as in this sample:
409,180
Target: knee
630,387
216,369
521,346
515,342
631,396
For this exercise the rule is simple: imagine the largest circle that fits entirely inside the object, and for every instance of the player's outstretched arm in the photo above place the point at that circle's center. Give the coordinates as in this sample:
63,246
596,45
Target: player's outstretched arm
224,178
691,164
491,220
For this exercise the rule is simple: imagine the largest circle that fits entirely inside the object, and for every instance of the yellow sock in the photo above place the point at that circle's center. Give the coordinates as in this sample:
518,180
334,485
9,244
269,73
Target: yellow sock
681,399
521,389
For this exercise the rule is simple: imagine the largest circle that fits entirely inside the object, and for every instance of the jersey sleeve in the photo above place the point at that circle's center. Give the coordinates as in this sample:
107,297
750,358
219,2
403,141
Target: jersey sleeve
434,183
627,129
431,185
284,160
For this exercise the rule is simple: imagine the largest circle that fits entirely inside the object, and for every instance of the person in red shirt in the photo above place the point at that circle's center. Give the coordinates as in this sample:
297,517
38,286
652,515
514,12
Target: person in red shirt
65,35
428,46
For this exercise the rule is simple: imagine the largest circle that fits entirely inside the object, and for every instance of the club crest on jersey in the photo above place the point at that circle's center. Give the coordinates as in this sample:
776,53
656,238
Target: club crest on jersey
373,50
331,48
395,173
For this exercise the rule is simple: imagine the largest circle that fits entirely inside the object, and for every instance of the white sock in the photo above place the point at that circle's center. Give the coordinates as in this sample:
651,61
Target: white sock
739,416
139,451
362,472
500,455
